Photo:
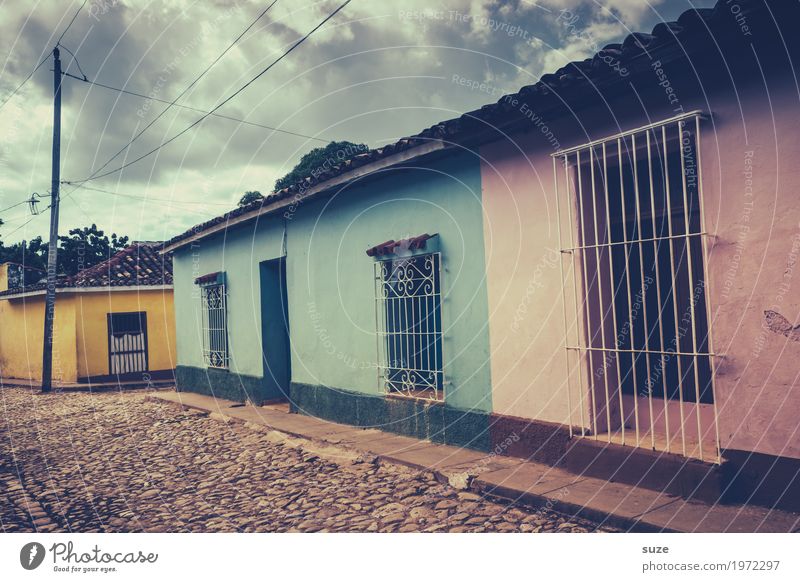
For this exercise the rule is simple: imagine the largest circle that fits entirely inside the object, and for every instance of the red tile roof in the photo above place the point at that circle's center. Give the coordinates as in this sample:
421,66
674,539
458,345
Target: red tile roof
137,265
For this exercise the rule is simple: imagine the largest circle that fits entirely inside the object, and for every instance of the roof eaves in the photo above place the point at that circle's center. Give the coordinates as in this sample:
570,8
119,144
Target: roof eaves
30,292
277,202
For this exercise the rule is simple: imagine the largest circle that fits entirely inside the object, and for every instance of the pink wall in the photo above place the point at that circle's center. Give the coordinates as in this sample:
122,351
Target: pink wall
751,189
523,262
753,207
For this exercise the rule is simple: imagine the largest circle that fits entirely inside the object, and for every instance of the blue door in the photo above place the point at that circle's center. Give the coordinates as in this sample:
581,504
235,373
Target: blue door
275,346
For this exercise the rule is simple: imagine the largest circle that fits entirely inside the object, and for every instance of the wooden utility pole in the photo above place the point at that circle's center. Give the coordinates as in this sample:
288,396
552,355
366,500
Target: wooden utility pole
52,245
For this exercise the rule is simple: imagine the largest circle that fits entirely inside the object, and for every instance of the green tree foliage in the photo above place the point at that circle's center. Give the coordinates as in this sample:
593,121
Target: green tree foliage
249,197
35,254
80,249
320,160
85,247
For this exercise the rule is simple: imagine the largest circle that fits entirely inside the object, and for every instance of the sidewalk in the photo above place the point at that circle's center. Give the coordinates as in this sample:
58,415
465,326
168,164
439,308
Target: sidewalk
615,504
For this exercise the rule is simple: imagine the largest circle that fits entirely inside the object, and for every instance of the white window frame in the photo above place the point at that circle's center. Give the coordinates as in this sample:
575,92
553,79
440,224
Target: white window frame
214,307
408,313
583,346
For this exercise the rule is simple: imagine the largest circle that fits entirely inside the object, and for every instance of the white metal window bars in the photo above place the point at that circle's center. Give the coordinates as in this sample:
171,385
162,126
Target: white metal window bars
215,325
635,203
409,326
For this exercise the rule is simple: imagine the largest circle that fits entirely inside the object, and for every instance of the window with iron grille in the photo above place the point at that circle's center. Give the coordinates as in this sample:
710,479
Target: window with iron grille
409,318
127,342
215,325
637,315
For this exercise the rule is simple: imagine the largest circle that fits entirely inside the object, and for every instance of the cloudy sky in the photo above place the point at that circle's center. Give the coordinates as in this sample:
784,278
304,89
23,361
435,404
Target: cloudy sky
379,70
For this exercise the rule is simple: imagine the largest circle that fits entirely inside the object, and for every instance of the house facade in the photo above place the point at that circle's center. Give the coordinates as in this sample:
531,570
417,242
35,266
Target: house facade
595,272
113,322
282,271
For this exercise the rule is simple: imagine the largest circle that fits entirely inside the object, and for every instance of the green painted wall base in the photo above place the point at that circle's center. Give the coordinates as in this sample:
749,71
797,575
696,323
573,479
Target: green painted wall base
221,384
422,420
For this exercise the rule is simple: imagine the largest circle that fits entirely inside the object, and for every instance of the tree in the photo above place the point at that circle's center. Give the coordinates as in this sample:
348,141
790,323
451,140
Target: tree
80,249
320,160
30,255
86,247
249,197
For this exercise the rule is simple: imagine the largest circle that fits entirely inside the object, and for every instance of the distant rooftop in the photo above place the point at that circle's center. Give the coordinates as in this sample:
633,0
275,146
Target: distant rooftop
137,265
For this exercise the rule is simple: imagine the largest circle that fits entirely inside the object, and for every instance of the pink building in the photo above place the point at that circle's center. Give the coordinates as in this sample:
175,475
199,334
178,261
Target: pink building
642,232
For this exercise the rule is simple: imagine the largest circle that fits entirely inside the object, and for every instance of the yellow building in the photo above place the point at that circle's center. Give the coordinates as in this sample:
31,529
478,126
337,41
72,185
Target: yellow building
113,322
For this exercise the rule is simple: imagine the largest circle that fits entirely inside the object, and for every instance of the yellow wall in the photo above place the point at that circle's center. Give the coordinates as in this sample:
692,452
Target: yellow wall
81,332
21,331
92,327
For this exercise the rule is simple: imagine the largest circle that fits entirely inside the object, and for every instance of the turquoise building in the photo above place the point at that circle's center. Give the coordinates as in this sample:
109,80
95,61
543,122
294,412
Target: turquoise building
282,301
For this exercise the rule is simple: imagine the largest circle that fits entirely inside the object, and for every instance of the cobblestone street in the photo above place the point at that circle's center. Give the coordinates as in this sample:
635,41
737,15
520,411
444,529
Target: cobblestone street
120,462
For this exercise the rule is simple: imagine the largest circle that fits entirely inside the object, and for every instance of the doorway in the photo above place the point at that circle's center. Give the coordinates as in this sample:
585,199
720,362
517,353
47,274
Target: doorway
275,344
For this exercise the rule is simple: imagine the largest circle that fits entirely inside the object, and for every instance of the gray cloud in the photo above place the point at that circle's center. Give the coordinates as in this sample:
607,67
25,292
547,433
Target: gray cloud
377,71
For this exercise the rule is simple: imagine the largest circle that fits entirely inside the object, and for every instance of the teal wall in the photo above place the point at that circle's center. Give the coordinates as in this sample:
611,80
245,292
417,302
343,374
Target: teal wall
331,285
238,253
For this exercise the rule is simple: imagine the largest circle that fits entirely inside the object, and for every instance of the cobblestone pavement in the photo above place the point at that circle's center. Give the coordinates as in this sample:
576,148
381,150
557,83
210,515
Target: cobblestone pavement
119,462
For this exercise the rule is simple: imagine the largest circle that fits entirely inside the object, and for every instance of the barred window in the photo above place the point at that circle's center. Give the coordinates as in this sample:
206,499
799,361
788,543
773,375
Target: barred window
408,309
215,324
637,315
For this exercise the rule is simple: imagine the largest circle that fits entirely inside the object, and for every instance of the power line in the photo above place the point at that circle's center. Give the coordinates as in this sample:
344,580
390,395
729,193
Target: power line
186,90
9,221
14,92
161,204
145,198
41,213
47,56
15,205
58,43
24,224
95,176
197,109
71,22
74,58
36,68
35,216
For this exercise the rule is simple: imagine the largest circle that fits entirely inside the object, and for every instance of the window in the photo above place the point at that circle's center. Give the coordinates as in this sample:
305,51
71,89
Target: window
215,320
638,306
127,342
408,309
